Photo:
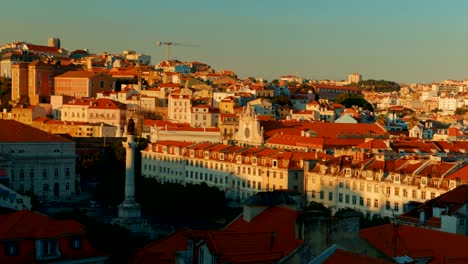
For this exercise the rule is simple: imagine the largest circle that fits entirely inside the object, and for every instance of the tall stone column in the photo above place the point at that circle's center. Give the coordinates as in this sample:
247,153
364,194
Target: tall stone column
130,211
130,147
130,208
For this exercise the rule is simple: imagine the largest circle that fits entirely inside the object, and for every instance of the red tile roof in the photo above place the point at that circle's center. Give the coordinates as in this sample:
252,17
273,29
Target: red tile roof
373,144
281,221
28,224
416,242
461,174
77,74
13,131
325,130
44,49
163,251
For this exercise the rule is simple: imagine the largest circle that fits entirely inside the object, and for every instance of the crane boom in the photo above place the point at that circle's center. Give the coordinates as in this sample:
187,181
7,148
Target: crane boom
168,45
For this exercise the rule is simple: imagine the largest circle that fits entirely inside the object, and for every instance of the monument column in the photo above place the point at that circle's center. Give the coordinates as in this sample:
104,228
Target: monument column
130,211
130,147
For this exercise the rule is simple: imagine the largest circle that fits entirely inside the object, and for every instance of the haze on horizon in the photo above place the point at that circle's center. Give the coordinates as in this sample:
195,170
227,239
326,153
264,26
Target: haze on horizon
403,41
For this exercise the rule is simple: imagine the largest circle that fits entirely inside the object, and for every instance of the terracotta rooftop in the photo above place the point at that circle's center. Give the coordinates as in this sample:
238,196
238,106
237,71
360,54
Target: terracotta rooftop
403,240
13,131
28,224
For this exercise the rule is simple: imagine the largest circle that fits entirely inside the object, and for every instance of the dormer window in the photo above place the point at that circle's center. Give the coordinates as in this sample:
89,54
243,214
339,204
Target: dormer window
11,248
254,161
47,249
221,156
423,181
192,153
275,163
75,242
164,149
206,154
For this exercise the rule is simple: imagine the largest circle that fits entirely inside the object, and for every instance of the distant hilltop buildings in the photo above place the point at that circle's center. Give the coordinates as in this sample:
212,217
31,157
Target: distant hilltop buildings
281,124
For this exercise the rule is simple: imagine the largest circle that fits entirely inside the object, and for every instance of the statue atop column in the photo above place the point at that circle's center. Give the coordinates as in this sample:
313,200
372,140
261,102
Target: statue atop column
130,127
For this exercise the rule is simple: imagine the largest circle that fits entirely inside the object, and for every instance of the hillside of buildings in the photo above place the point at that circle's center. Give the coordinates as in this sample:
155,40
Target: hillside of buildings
210,161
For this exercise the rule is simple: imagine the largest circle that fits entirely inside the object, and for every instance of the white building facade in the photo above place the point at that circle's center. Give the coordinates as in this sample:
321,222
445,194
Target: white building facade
40,163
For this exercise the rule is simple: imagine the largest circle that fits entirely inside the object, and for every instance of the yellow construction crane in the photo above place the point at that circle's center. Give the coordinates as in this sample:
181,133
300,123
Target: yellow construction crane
168,45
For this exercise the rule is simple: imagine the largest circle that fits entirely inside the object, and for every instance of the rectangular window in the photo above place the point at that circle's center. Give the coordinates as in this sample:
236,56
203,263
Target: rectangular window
49,248
31,173
376,203
368,202
387,205
11,248
397,191
347,199
414,194
361,201
405,193
396,207
423,195
432,195
361,186
67,172
330,196
321,195
354,199
340,197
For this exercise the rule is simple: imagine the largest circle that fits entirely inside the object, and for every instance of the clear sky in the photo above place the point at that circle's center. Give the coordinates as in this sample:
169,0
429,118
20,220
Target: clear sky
400,40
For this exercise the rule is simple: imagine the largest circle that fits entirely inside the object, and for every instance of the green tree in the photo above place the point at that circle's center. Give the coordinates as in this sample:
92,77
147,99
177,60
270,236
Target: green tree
282,100
382,119
350,100
379,85
461,110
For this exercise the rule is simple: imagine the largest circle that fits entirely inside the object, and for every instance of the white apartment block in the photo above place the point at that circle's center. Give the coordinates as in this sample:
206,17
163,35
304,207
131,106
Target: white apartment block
180,106
450,103
239,171
94,111
204,116
377,186
354,78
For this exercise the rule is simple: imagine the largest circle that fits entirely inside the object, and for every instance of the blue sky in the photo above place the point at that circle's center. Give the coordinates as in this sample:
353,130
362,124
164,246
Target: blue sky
401,40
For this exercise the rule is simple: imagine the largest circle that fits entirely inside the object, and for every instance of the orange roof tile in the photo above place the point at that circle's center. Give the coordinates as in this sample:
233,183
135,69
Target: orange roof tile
28,224
417,242
13,131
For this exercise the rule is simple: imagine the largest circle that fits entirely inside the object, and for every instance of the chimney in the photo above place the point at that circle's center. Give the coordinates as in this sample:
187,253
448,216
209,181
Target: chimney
251,211
422,217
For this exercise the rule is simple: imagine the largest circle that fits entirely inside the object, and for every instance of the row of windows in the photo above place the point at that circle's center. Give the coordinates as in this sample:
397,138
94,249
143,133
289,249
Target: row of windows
45,187
47,247
217,166
369,187
348,199
45,174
